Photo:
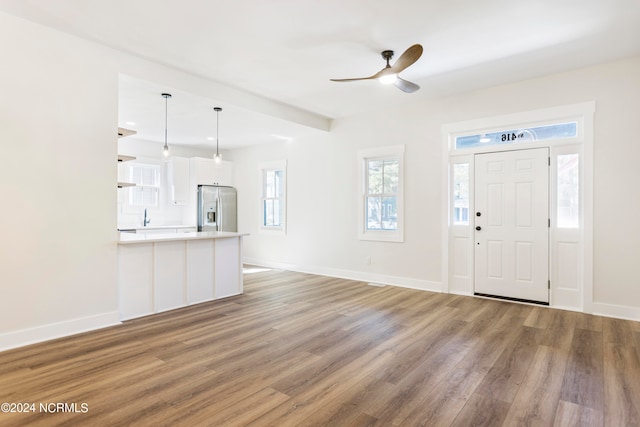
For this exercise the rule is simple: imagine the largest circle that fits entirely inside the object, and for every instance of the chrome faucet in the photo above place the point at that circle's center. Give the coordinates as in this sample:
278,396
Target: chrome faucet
146,220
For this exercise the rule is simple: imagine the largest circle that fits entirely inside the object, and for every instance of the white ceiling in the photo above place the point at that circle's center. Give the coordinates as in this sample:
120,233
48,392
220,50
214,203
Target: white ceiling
287,50
191,119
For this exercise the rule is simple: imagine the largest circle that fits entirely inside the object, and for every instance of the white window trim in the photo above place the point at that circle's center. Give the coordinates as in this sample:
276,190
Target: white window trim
127,207
396,151
271,166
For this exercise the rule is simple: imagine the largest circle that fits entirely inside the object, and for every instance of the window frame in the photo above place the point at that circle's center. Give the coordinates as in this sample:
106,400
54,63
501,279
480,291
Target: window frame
557,189
280,165
513,136
128,206
395,152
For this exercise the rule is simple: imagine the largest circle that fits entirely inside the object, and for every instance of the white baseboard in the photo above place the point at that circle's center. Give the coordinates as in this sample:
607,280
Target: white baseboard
616,311
600,309
404,282
51,331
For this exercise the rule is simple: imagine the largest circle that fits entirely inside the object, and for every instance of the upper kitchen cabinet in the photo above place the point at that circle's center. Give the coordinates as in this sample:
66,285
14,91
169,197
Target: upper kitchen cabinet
207,172
178,177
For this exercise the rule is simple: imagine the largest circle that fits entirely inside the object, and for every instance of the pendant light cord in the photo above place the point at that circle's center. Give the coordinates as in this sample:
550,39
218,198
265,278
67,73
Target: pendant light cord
166,102
217,130
165,149
218,158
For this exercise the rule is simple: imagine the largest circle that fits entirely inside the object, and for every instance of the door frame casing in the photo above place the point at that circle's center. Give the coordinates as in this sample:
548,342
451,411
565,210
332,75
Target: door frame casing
456,240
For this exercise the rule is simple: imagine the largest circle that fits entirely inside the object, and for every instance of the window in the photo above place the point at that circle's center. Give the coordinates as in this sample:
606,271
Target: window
381,182
147,180
568,191
273,179
516,136
461,194
382,193
272,198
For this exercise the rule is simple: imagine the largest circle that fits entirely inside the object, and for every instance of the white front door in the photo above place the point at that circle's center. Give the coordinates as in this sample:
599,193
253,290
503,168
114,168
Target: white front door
512,224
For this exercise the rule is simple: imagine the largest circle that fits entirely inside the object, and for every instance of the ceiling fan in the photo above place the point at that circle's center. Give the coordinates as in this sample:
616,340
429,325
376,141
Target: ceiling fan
389,74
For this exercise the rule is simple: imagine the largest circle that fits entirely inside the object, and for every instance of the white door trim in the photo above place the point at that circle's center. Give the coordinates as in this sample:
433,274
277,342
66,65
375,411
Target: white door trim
583,113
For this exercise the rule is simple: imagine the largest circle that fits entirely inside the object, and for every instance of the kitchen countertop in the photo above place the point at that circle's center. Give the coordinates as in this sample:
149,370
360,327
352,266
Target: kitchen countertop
130,238
156,227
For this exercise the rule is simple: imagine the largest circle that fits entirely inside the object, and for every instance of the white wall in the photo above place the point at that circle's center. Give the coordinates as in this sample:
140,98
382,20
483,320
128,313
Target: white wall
58,116
322,187
58,109
322,184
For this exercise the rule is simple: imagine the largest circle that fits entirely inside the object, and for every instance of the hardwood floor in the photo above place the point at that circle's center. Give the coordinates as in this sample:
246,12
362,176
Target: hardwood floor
298,349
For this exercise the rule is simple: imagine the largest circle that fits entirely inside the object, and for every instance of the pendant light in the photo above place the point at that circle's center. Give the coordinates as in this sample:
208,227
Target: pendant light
165,149
217,158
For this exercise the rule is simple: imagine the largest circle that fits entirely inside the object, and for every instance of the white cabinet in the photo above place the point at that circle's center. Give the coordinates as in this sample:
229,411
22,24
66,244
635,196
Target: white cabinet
206,172
178,178
202,170
168,275
135,280
223,174
228,281
168,272
200,271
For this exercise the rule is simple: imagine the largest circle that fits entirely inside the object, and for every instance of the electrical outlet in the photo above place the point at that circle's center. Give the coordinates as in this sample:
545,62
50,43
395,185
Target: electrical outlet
367,260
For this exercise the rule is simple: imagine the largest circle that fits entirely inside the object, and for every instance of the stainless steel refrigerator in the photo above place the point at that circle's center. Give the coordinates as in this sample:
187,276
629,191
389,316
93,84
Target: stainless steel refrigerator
217,208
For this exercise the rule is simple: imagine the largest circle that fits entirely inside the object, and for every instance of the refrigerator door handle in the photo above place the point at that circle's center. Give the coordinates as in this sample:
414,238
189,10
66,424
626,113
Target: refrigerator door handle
218,210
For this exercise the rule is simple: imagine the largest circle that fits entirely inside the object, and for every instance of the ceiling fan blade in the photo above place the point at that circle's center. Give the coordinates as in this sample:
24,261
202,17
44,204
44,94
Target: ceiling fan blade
409,57
375,76
406,86
352,80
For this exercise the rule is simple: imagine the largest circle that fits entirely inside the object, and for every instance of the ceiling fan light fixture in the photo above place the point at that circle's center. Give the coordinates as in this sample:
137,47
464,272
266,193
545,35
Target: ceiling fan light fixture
390,73
388,79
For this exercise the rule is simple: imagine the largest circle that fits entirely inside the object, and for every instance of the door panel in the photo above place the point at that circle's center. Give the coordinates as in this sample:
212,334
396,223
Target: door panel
494,259
495,204
512,234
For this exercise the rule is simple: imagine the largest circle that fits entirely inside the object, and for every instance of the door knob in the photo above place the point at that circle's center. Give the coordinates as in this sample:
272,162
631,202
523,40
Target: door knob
478,228
478,214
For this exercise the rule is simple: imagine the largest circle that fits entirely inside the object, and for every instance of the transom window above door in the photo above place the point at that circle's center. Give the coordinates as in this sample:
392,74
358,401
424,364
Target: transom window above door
516,136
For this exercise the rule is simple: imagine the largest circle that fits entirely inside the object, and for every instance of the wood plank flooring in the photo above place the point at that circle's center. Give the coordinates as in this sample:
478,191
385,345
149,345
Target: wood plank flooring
303,350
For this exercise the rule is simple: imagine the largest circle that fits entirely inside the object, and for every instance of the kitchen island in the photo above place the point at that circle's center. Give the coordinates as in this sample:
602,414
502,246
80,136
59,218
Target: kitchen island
159,272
